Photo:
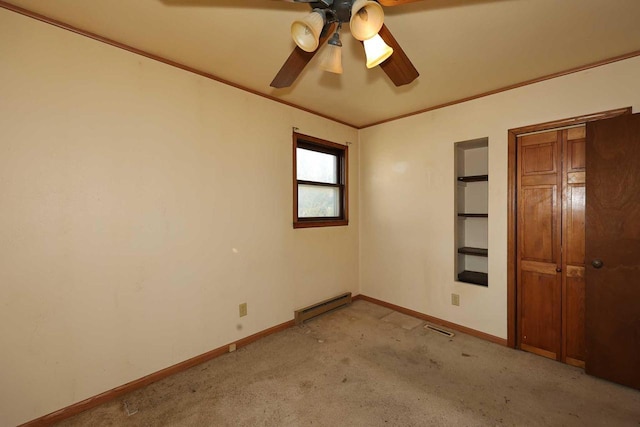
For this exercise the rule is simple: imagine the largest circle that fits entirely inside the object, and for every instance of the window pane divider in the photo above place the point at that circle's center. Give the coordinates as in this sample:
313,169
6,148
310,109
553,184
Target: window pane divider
319,184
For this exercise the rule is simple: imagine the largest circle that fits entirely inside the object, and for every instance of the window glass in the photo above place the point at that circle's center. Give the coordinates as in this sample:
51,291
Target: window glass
316,201
316,166
320,190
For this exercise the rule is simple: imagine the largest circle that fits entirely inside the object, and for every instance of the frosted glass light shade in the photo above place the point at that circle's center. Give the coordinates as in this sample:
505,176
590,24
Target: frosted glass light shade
367,18
332,59
306,32
377,51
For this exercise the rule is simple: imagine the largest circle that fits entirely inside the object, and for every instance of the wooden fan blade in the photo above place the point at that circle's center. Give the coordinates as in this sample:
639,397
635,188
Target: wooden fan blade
296,62
389,3
398,67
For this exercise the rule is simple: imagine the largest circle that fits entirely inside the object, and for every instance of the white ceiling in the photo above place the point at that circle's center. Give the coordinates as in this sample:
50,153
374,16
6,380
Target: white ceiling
461,48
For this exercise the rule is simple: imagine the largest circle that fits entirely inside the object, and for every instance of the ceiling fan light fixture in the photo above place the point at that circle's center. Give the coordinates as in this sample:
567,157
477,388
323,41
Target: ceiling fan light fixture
377,51
306,31
367,18
332,57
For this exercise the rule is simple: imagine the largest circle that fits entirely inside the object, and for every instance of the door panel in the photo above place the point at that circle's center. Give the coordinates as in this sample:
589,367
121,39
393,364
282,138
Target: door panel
613,236
574,318
538,218
538,249
539,159
539,316
574,223
573,239
575,149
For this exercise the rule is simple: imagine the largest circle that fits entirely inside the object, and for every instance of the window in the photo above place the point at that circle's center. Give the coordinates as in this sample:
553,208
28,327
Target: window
320,190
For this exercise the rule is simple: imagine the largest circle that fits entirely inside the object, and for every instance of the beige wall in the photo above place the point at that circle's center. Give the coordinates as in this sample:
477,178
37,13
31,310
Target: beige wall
139,205
407,191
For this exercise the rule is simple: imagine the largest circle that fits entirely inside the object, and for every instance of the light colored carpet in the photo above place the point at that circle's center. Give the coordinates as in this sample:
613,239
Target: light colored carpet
350,368
402,320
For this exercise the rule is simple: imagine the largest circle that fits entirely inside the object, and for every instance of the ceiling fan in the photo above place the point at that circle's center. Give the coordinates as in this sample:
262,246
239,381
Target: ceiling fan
323,24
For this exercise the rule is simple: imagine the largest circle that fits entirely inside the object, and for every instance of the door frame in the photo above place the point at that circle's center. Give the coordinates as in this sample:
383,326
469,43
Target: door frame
512,197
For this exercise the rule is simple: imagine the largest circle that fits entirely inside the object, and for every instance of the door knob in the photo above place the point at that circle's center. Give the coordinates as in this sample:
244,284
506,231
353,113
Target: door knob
558,269
597,263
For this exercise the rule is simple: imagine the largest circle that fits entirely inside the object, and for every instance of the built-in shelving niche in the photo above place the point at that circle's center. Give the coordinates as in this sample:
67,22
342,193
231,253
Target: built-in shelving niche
472,206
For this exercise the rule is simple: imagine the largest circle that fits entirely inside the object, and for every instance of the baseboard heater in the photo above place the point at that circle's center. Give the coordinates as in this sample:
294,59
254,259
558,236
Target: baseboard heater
322,307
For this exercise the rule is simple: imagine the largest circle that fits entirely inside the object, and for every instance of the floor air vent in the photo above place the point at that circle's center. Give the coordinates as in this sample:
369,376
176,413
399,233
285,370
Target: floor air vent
440,331
322,307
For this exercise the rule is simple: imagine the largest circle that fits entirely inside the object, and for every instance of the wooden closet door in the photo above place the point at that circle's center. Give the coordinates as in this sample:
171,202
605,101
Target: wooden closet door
539,261
573,244
613,250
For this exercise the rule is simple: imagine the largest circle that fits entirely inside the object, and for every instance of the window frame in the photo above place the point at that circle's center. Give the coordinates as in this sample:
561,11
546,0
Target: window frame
342,154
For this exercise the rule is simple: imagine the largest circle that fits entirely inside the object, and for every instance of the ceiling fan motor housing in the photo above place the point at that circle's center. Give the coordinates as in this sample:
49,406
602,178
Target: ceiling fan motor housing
339,9
343,10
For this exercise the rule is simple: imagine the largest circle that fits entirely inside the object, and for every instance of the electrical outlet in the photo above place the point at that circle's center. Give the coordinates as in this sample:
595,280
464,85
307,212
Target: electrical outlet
455,299
232,347
243,309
